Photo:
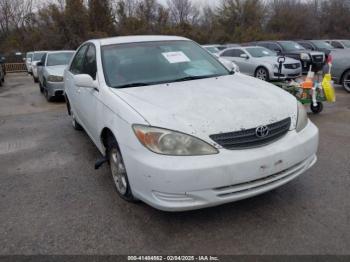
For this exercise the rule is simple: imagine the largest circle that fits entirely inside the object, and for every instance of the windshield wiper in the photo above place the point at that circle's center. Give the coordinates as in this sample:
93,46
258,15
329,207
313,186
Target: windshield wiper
189,78
135,85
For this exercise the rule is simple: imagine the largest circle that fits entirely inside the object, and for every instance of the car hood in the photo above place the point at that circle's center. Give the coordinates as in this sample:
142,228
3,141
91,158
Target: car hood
211,106
56,70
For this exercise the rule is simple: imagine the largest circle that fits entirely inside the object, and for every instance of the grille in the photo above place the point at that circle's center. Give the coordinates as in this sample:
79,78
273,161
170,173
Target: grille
318,58
292,66
249,138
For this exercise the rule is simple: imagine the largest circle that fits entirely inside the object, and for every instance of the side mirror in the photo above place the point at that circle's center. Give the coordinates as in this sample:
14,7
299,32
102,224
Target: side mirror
84,81
245,56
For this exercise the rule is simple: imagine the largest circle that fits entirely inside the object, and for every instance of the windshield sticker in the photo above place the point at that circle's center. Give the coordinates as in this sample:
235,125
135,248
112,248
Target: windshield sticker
176,57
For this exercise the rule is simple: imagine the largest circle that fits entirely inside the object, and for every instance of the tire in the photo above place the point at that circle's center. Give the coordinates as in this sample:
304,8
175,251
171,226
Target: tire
317,109
262,73
75,123
36,80
118,172
41,88
346,81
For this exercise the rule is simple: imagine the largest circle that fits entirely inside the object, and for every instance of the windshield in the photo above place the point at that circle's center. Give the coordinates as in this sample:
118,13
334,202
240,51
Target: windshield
149,63
346,43
38,56
213,49
291,46
29,55
322,45
260,52
59,59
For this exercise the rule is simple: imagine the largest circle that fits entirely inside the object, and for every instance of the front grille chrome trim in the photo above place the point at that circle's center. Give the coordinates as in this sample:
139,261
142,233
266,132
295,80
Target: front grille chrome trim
247,138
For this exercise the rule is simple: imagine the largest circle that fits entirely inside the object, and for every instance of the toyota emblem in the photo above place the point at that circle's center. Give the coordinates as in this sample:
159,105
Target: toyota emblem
262,131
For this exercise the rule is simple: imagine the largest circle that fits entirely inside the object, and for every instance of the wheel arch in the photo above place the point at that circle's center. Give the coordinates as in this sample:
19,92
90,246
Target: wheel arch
343,75
106,136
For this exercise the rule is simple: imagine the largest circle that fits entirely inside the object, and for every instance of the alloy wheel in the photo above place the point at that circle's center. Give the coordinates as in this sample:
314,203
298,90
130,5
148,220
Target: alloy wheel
118,172
261,74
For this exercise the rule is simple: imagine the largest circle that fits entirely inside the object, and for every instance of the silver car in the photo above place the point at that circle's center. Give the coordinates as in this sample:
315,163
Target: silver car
37,57
262,63
29,58
341,68
50,73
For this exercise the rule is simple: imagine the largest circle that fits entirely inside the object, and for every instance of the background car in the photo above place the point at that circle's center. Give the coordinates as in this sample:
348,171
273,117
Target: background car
37,56
294,50
2,74
262,63
317,45
341,68
29,58
50,72
339,44
214,49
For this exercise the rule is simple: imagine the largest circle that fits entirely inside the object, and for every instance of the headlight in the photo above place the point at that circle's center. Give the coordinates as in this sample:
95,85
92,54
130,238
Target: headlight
304,56
55,79
167,142
302,117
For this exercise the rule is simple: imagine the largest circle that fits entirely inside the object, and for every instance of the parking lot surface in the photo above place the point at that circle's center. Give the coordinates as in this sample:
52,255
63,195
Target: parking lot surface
52,201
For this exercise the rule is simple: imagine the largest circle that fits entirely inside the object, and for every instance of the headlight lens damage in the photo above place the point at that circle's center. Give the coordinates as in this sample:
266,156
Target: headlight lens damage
167,142
302,117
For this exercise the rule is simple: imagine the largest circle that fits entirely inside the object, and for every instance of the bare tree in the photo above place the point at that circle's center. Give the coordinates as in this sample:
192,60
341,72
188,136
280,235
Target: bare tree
183,11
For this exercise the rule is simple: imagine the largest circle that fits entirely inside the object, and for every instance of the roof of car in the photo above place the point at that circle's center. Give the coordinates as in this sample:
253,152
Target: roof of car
138,39
60,51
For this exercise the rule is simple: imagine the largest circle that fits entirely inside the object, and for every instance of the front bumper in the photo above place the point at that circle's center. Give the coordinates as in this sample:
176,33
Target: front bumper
286,74
186,183
55,88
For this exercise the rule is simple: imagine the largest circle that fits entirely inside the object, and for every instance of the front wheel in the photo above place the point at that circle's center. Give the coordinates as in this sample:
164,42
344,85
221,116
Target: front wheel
75,123
36,80
346,81
317,109
262,74
119,175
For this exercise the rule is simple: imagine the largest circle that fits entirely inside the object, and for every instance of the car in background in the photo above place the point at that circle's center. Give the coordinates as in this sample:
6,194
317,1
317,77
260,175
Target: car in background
2,74
179,130
262,63
50,72
29,58
317,45
214,49
339,44
293,50
37,56
341,68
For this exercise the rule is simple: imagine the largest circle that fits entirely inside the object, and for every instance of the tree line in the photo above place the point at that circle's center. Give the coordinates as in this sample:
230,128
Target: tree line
64,24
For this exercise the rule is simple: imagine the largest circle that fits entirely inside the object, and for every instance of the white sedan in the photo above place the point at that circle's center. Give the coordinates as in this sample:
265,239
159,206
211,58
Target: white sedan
179,130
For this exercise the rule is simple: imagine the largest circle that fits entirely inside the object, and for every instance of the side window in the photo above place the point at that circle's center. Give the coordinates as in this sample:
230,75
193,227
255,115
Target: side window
337,45
228,53
274,47
306,46
237,53
90,66
78,62
263,45
43,59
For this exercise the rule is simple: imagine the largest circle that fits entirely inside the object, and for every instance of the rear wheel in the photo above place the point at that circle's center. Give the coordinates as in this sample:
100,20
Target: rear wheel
346,81
118,172
262,73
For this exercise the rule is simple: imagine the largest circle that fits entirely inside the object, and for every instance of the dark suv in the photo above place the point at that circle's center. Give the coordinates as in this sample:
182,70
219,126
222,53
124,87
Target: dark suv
294,50
317,45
